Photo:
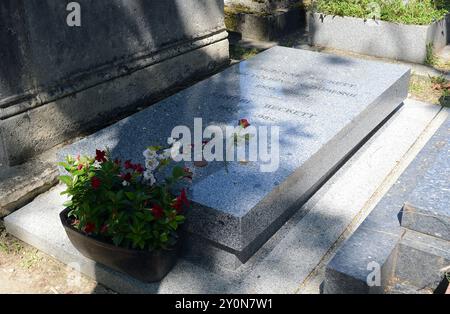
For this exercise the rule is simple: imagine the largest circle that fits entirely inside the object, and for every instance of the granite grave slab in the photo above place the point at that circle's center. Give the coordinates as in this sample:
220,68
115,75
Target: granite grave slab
406,244
324,105
428,206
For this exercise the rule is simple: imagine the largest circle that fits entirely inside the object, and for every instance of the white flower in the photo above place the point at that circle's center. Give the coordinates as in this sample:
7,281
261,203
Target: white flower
97,164
149,154
149,177
151,164
125,183
166,154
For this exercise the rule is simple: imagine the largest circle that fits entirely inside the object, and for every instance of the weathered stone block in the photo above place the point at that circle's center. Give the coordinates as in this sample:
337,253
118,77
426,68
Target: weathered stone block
376,38
56,80
266,20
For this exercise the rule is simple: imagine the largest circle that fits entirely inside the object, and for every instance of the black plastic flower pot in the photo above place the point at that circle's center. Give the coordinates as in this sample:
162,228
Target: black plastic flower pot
146,266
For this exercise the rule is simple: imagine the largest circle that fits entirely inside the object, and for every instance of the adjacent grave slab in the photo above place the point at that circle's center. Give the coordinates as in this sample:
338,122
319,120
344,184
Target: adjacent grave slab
376,38
380,238
324,105
428,207
420,260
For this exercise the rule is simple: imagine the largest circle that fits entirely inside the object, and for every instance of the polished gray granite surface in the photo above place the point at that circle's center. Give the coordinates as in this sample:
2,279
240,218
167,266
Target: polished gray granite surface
324,106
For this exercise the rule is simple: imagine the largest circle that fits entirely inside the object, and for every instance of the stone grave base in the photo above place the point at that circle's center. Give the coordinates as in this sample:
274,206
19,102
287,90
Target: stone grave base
283,264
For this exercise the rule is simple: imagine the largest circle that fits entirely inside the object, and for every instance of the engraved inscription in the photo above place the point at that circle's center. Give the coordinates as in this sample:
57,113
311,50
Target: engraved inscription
309,83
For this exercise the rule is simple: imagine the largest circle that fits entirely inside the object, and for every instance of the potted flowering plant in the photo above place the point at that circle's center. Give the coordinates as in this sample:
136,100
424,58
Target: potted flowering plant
120,215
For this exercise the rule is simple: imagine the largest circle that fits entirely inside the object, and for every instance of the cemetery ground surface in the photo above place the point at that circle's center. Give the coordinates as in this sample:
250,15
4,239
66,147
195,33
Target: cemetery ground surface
25,269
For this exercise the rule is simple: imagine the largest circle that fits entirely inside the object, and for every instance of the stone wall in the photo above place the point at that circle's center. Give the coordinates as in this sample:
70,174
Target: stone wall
56,80
264,20
263,5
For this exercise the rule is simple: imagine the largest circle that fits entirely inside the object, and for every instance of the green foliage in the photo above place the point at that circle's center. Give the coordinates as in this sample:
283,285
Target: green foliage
417,12
111,201
431,57
241,53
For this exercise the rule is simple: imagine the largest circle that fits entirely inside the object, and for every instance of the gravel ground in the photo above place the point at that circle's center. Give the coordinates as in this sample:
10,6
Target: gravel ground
24,269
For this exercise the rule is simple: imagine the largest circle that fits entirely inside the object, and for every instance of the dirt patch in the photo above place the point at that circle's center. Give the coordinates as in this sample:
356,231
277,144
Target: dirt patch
24,269
435,90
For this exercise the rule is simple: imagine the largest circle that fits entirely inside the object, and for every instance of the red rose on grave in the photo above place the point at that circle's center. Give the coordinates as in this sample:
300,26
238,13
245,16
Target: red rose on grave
157,211
80,166
100,155
244,123
128,164
89,228
96,183
126,177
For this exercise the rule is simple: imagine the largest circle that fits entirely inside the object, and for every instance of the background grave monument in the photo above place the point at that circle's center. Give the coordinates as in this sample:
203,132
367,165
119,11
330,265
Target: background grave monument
57,81
266,20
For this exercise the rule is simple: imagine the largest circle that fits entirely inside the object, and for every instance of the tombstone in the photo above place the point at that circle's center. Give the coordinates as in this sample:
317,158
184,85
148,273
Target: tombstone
62,74
324,105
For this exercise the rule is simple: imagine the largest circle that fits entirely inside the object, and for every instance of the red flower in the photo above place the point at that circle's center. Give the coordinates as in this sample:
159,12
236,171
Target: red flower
181,202
126,176
183,198
80,166
100,155
244,123
138,168
128,164
96,183
157,211
89,228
